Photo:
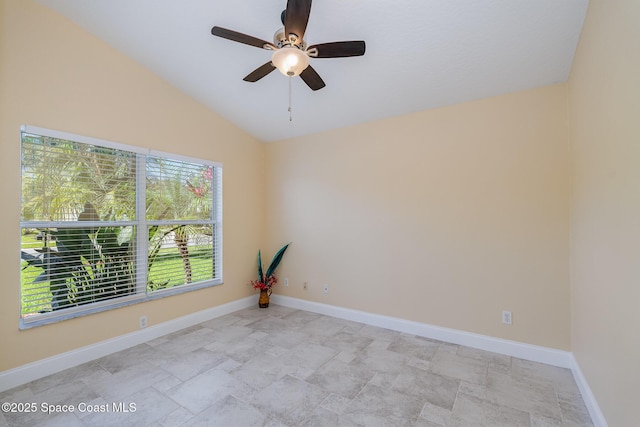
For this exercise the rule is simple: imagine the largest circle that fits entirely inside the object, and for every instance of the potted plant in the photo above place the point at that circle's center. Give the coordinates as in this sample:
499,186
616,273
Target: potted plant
267,280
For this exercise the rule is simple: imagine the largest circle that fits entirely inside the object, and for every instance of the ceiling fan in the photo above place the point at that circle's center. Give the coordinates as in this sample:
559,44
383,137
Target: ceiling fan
290,52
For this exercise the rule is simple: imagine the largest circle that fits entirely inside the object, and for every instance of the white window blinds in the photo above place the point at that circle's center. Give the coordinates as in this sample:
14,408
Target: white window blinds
105,224
180,218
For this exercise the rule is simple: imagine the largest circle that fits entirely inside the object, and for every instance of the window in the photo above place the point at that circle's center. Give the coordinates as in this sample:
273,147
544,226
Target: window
104,225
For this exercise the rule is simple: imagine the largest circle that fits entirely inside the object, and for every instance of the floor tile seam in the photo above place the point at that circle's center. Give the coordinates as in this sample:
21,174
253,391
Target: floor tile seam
331,410
450,411
562,412
421,417
351,399
359,378
568,422
474,359
169,396
449,377
497,405
551,415
573,402
333,358
126,397
241,399
170,374
361,391
161,421
455,400
486,375
422,398
310,413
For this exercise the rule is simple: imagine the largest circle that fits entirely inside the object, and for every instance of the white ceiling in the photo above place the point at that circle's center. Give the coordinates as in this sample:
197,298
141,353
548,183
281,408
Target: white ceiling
420,54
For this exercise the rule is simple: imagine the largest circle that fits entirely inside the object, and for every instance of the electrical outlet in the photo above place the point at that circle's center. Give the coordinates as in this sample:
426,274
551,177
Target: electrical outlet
143,322
325,289
305,286
507,317
286,281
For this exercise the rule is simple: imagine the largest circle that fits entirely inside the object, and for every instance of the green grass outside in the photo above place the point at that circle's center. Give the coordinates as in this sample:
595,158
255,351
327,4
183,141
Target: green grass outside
36,297
29,241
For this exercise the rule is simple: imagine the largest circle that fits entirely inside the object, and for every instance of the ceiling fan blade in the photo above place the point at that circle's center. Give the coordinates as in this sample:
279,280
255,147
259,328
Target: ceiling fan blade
296,17
337,49
241,38
259,72
312,78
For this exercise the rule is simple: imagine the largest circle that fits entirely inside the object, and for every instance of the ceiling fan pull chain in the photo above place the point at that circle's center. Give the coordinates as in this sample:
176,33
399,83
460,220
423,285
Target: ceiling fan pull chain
290,117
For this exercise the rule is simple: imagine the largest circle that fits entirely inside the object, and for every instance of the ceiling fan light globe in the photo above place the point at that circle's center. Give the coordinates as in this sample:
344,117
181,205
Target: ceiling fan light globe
290,61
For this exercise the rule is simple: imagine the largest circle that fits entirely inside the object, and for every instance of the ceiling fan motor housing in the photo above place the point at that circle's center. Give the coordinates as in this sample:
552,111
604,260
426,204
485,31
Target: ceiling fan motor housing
281,40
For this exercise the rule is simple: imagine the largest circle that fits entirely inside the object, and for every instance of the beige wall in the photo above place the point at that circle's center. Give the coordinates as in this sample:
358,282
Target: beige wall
447,216
604,105
55,75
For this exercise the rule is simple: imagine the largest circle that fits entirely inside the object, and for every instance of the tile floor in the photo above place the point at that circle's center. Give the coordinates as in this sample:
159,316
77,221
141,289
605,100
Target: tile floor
285,367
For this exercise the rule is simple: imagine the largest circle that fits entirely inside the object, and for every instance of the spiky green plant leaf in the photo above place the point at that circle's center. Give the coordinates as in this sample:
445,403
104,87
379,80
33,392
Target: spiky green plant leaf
276,260
260,274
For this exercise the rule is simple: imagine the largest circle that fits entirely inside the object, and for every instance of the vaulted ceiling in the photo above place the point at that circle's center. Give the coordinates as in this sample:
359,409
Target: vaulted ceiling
420,54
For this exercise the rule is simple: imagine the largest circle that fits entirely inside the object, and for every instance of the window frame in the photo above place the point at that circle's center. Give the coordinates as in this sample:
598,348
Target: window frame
141,223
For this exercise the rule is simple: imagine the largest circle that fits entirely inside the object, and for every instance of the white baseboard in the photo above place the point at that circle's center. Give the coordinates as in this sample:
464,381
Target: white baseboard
41,368
531,352
597,417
